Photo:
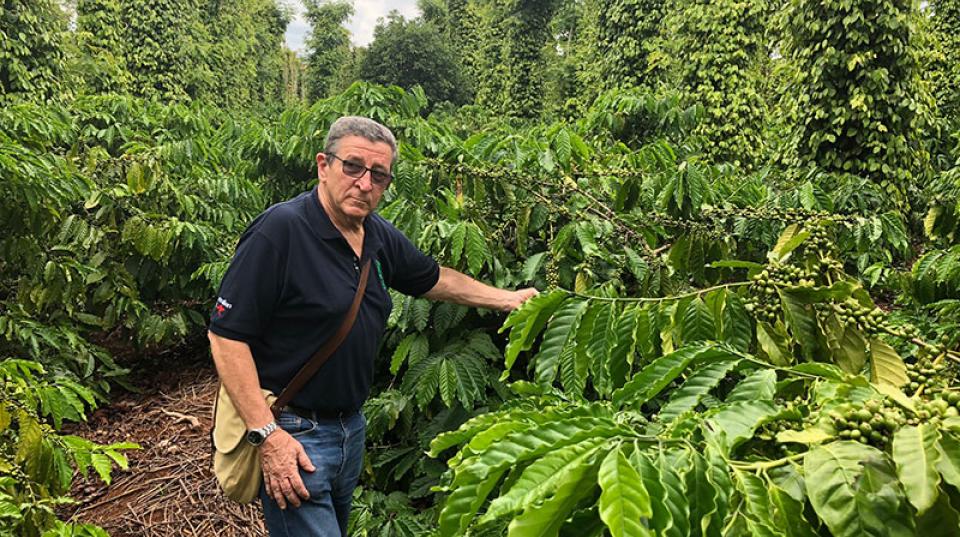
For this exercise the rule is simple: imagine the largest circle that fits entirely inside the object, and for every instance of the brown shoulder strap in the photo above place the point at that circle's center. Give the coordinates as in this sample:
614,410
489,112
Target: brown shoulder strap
320,357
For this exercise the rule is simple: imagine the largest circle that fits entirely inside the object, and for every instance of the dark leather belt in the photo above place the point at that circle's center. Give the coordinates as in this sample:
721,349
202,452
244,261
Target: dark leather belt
315,415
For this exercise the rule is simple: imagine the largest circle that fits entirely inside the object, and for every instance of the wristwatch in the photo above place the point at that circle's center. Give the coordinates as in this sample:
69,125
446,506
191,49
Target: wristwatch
257,436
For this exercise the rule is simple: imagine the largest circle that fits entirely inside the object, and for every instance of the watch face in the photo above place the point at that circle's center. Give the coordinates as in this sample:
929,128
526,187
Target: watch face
255,437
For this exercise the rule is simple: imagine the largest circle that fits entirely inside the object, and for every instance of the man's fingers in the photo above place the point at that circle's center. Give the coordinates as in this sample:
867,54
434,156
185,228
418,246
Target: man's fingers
288,491
277,494
300,489
304,460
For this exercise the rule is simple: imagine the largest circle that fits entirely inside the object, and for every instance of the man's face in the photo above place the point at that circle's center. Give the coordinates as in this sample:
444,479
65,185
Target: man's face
352,197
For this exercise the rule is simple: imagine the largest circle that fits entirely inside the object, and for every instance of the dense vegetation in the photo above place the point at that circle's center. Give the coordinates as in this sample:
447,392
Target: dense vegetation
748,250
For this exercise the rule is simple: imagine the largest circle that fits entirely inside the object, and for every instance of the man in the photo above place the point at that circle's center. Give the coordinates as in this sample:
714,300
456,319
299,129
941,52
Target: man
287,289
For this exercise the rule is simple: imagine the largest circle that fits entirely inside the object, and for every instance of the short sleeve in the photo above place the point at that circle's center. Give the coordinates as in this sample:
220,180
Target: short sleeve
250,290
412,271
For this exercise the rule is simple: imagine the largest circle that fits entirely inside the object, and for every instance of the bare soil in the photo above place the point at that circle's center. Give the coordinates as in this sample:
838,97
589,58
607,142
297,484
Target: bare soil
169,488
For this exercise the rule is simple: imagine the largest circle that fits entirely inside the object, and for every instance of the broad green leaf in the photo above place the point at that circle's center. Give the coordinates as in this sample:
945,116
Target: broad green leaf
698,323
828,371
655,376
838,292
807,436
556,338
544,519
789,240
832,475
941,520
886,365
457,241
661,517
773,344
675,498
703,498
802,324
759,510
637,265
737,328
476,249
526,322
688,396
788,513
948,463
761,385
737,421
915,454
543,477
463,502
624,501
400,354
851,353
621,356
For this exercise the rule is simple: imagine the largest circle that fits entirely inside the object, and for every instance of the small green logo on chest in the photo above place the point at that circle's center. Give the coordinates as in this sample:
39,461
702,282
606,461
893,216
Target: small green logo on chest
376,263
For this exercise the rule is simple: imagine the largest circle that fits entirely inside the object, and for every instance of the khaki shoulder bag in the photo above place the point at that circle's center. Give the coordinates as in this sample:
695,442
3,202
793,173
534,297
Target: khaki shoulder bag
236,462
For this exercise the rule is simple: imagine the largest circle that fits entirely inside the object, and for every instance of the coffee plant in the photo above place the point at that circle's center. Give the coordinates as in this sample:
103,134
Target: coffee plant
742,218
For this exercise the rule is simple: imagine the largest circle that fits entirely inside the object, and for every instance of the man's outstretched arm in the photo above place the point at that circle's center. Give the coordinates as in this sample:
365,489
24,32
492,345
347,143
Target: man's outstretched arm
455,286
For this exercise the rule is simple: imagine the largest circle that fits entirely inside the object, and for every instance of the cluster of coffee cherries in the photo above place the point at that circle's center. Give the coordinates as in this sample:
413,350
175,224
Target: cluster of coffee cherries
924,374
873,423
819,241
763,302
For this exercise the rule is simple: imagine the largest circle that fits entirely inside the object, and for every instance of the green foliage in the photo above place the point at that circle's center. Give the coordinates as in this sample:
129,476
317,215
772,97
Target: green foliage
327,46
31,52
945,23
713,51
109,209
245,54
37,463
625,40
413,53
861,107
168,61
100,41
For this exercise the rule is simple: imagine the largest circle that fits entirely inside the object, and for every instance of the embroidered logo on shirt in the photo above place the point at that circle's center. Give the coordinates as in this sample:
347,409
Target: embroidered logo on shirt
221,308
383,284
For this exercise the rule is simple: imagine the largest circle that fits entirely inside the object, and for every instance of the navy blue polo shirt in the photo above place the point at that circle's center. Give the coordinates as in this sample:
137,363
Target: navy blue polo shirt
290,285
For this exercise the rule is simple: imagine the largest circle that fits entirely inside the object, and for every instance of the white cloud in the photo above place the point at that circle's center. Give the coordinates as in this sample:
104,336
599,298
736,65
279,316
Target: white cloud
361,25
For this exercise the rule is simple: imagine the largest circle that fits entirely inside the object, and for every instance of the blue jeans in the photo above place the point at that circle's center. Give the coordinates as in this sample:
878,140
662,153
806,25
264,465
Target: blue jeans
335,446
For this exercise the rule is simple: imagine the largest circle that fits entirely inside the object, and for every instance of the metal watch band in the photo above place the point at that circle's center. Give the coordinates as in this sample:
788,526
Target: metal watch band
262,433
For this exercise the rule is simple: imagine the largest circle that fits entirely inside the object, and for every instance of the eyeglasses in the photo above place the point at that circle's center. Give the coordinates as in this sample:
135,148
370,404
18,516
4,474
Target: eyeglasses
356,170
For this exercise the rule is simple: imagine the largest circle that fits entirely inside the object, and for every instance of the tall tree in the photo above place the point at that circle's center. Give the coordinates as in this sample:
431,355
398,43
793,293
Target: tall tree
626,33
31,52
506,58
945,22
166,46
712,48
328,45
246,54
100,40
413,52
858,92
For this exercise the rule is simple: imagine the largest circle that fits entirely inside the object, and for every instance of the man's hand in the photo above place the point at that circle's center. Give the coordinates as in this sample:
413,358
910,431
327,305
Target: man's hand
518,297
282,457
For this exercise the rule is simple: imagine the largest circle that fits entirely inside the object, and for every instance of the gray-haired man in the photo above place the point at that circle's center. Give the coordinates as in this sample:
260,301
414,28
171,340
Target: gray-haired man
288,287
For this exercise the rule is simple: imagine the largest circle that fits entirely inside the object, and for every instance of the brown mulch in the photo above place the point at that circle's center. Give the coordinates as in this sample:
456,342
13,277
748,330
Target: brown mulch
169,488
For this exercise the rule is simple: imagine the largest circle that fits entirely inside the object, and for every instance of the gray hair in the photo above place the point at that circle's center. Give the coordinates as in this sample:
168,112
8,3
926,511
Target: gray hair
362,127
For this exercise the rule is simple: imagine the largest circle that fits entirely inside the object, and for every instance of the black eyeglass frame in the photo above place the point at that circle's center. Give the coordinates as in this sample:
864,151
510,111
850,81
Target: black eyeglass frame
377,177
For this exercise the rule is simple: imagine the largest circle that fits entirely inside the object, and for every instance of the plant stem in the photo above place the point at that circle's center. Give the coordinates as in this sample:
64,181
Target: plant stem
654,299
766,465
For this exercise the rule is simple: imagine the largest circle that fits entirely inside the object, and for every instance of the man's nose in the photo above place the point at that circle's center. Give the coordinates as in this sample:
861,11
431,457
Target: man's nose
365,181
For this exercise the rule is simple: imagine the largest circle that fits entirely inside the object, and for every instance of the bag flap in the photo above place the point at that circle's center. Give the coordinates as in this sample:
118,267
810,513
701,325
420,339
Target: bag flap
228,427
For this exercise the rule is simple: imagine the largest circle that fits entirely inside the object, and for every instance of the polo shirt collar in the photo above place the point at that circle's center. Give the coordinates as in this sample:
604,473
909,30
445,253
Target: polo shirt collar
328,231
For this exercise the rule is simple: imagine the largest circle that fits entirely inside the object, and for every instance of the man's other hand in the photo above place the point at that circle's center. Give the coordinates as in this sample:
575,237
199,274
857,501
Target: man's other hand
518,297
283,456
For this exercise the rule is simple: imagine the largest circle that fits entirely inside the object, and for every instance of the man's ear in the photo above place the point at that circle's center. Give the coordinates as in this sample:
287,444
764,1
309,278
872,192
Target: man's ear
322,165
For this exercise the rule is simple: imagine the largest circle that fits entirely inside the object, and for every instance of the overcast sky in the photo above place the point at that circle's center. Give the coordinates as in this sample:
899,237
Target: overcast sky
365,15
